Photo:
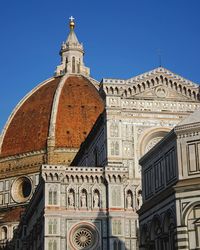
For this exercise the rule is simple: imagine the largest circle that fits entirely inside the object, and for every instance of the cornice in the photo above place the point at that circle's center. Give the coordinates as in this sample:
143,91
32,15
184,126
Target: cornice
21,156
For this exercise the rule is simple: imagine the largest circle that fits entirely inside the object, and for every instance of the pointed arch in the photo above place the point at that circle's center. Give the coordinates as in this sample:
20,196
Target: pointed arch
73,65
157,80
152,82
125,93
184,90
111,90
143,86
116,91
175,86
56,177
194,95
166,81
139,87
129,91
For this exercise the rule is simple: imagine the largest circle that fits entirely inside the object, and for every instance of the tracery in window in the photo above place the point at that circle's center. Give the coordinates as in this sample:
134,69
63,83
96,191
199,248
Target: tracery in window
114,130
52,226
52,245
52,197
117,227
114,148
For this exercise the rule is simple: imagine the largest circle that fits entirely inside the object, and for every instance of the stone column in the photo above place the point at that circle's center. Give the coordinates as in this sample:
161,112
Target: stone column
181,238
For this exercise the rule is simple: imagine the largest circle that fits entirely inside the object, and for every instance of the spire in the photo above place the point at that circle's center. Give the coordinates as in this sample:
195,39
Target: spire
72,53
71,24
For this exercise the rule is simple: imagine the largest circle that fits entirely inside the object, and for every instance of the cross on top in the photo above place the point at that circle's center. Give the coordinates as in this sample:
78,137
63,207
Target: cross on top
71,18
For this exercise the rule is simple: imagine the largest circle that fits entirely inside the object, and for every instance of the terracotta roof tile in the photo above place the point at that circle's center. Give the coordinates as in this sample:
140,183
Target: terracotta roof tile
28,129
11,215
79,107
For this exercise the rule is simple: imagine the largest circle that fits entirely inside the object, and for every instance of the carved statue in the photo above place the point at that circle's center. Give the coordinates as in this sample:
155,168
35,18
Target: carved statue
129,200
83,199
96,200
139,200
71,199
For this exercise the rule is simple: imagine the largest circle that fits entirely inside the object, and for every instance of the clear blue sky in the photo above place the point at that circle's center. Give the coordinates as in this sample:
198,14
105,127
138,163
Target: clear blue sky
121,40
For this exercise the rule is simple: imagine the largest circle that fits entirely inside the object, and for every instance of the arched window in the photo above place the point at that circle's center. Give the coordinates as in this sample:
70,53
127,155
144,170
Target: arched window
52,245
114,148
78,66
73,65
66,62
55,198
52,225
117,227
52,197
114,130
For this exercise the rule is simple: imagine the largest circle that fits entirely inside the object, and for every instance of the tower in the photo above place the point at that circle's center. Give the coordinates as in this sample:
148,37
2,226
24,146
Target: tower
72,53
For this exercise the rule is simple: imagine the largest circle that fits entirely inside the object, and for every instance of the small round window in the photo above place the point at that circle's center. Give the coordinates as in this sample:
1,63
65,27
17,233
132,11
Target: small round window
21,189
84,236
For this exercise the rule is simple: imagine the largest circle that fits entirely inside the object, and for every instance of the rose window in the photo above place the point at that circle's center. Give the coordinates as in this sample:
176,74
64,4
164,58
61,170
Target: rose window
83,238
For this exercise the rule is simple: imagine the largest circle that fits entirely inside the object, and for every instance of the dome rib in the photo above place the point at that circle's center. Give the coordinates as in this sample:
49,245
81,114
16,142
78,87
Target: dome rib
26,128
54,111
62,109
79,107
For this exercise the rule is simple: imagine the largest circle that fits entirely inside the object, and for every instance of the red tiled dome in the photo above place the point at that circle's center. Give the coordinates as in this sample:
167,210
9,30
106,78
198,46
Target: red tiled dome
73,101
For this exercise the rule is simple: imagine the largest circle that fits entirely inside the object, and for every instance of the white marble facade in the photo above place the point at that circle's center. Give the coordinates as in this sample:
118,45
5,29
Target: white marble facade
169,217
93,203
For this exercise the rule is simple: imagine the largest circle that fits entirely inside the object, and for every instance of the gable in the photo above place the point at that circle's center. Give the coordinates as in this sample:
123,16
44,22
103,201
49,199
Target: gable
162,84
159,83
161,92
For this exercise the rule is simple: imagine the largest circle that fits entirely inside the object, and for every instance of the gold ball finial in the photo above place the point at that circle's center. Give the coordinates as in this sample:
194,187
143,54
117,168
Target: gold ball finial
71,23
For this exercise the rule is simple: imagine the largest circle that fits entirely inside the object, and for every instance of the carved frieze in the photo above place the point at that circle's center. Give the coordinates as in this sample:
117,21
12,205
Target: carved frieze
158,106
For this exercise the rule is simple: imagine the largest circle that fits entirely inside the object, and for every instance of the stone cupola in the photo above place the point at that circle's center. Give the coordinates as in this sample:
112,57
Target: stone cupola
72,53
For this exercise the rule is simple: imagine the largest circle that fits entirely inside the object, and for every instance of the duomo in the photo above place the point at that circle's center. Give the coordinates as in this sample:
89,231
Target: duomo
109,165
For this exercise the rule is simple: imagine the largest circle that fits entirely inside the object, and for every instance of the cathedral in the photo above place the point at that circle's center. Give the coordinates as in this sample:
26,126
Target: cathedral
70,176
